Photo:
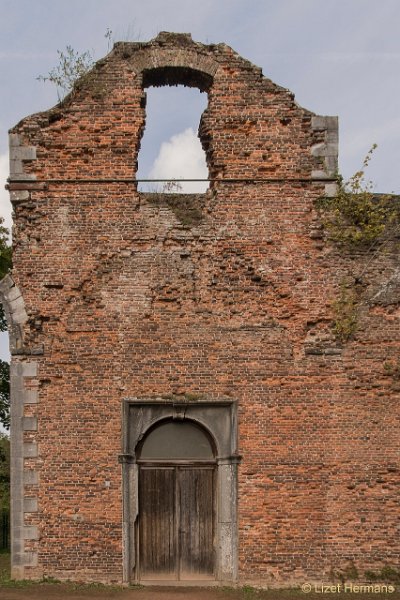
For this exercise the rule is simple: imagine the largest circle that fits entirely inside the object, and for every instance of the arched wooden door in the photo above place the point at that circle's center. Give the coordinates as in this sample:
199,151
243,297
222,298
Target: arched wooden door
176,504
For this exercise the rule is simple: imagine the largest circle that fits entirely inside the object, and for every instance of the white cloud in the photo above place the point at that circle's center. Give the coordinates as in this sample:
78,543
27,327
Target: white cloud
182,157
5,204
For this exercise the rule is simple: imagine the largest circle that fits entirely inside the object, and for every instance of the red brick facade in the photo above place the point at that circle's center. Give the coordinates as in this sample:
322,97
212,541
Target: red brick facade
230,298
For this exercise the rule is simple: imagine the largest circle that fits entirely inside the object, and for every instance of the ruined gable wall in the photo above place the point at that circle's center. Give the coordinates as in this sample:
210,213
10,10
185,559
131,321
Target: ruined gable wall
127,298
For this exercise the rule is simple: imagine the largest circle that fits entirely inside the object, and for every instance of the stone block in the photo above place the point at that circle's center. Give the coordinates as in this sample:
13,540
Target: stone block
13,140
30,396
30,477
16,304
317,174
319,149
30,505
19,195
30,532
26,153
30,450
29,369
15,168
30,559
12,295
330,190
29,423
19,316
6,284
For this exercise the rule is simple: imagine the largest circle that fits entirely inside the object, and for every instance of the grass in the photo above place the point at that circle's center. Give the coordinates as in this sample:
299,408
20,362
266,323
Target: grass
6,581
4,565
93,590
5,573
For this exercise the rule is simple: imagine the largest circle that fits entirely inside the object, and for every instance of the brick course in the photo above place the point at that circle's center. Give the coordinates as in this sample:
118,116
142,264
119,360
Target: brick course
120,297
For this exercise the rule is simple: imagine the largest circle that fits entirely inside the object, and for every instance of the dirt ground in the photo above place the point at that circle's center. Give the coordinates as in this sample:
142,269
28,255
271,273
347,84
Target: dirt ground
14,590
65,592
62,592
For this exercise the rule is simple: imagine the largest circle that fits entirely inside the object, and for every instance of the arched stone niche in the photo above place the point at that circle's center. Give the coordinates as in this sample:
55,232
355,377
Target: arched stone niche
219,419
171,59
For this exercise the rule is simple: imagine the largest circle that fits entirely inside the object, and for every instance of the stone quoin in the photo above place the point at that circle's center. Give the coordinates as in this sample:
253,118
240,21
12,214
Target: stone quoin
181,406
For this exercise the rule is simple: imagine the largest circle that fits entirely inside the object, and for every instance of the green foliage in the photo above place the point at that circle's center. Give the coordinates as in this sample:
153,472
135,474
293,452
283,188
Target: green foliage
5,264
249,592
345,310
349,573
4,394
387,575
76,71
5,250
3,322
355,218
393,369
5,267
186,207
71,67
4,472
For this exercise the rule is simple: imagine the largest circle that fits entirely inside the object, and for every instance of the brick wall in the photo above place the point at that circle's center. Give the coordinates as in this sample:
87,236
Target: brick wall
122,296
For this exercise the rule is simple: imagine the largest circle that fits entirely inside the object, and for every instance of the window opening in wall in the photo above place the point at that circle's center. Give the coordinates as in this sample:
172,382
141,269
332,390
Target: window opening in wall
170,148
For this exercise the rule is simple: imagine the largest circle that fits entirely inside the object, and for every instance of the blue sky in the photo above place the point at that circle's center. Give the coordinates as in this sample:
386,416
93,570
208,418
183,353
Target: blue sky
339,57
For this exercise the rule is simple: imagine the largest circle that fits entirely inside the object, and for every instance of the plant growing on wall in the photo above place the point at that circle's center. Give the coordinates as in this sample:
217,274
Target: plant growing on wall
356,218
71,67
345,309
357,221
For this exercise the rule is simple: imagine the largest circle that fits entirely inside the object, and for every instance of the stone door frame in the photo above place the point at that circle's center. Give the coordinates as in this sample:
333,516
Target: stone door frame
219,418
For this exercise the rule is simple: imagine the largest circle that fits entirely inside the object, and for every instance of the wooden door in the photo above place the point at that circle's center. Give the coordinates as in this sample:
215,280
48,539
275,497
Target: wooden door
176,522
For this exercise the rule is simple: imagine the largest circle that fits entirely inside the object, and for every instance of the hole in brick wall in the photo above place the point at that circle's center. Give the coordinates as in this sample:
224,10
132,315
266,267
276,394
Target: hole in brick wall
170,148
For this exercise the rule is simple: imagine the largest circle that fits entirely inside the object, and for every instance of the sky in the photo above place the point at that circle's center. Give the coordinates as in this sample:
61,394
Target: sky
339,57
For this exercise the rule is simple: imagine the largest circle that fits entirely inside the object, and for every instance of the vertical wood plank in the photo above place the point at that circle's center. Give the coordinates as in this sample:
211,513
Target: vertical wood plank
196,526
157,541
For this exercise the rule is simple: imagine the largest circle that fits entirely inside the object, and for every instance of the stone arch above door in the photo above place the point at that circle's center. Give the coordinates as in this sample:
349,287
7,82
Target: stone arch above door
219,419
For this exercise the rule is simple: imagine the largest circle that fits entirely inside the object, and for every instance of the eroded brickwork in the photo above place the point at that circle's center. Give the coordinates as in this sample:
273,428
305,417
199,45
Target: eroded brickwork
230,297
